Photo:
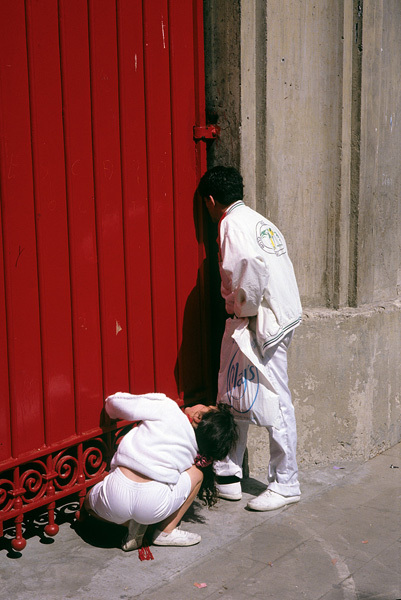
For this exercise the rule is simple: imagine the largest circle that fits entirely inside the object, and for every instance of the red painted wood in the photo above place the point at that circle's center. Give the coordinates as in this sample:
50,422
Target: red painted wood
103,265
108,193
18,221
191,373
160,190
5,423
199,71
135,195
75,67
200,213
51,218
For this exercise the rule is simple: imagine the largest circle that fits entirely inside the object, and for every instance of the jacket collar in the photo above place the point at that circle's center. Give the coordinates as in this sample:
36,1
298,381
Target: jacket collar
231,208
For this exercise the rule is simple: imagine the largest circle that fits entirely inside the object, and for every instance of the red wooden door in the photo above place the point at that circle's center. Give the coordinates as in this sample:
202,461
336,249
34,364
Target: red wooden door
101,272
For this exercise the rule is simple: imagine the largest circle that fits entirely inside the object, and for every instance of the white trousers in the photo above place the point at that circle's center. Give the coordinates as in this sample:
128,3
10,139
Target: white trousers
119,499
283,469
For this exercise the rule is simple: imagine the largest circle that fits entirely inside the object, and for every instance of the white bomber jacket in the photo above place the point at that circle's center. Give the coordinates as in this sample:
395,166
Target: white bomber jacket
257,276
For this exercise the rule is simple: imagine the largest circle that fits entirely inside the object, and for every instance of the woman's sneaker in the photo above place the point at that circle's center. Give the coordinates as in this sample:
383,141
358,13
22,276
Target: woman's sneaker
177,537
133,539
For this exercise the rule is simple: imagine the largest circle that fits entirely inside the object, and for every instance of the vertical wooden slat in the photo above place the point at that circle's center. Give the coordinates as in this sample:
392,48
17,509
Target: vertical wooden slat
181,20
135,196
51,218
81,212
199,74
24,352
108,193
5,423
200,210
160,186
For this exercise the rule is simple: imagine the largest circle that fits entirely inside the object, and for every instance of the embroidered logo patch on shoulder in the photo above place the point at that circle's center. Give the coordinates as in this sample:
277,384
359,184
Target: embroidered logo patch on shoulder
269,239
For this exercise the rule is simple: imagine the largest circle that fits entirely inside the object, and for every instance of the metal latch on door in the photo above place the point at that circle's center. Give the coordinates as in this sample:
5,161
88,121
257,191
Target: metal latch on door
206,132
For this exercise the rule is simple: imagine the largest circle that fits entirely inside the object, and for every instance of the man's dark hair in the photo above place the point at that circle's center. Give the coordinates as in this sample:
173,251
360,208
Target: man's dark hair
223,183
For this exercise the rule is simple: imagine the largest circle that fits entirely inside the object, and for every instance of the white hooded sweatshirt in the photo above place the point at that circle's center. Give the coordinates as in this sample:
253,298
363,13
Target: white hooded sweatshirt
257,276
163,445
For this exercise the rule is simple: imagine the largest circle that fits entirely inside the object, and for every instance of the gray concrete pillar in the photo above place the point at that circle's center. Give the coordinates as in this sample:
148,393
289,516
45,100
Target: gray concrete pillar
308,97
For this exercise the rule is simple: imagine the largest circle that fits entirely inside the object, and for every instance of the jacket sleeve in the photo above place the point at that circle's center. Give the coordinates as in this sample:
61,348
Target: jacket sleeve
136,408
244,276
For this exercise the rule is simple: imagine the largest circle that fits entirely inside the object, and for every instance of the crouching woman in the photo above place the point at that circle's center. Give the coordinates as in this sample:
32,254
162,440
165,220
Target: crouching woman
160,466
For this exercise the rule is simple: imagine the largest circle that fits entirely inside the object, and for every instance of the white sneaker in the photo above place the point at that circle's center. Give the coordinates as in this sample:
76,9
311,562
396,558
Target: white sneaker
177,537
229,491
269,500
134,537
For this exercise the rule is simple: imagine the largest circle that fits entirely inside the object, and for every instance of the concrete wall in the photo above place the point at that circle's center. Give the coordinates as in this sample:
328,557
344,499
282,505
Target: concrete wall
308,98
378,245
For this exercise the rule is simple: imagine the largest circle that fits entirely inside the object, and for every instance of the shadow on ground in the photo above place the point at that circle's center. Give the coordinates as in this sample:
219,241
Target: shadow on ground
34,524
99,534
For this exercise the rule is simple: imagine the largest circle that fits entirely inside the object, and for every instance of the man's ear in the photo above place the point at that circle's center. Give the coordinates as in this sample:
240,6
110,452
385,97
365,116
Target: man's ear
210,201
212,208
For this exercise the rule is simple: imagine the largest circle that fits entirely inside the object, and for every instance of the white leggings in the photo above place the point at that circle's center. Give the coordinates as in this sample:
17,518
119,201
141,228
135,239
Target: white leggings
119,499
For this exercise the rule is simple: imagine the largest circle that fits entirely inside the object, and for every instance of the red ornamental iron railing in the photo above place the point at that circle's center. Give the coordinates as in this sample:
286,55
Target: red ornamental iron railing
49,477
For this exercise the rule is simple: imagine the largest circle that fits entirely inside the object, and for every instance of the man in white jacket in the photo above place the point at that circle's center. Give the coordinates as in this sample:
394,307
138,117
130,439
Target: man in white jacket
258,283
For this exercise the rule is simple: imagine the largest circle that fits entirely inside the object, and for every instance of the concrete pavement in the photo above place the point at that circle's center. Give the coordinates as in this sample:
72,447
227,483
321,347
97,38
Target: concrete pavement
341,542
